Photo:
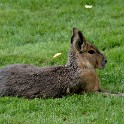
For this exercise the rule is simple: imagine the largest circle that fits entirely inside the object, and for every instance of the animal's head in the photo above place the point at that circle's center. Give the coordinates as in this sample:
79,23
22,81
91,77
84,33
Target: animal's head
87,54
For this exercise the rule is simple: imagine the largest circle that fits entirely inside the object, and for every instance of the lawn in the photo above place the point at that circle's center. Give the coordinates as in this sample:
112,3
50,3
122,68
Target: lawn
33,31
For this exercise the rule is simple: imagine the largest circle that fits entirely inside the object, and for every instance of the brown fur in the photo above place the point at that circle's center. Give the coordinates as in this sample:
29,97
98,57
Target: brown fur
77,76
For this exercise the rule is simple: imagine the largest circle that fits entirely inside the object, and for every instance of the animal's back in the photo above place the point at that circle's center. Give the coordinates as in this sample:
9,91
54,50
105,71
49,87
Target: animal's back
31,81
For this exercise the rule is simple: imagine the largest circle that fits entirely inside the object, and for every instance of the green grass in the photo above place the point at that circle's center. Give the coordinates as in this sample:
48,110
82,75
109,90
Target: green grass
32,31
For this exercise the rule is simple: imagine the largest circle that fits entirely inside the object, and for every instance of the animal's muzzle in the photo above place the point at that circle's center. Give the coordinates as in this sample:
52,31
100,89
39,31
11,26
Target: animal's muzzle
103,63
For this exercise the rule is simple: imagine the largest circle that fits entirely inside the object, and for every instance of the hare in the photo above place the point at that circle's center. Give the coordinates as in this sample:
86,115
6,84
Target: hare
77,76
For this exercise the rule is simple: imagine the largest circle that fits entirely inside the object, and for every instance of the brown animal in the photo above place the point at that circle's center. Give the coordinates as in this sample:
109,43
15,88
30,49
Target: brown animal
77,76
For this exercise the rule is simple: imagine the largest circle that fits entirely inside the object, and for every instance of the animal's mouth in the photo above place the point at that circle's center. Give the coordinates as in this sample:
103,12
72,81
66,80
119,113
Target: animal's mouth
103,63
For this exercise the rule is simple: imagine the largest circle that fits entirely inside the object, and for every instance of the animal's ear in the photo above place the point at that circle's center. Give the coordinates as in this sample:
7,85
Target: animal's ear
77,39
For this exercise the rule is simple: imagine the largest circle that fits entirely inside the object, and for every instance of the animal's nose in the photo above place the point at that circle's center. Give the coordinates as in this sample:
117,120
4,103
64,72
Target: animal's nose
106,61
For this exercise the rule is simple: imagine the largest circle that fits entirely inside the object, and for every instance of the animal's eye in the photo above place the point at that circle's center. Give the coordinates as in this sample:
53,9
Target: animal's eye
91,51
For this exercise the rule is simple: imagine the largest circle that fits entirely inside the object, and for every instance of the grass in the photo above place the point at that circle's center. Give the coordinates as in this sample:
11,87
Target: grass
68,110
32,32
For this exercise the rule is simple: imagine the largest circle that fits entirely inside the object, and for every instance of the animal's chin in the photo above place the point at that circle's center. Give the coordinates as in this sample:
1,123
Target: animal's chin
102,66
